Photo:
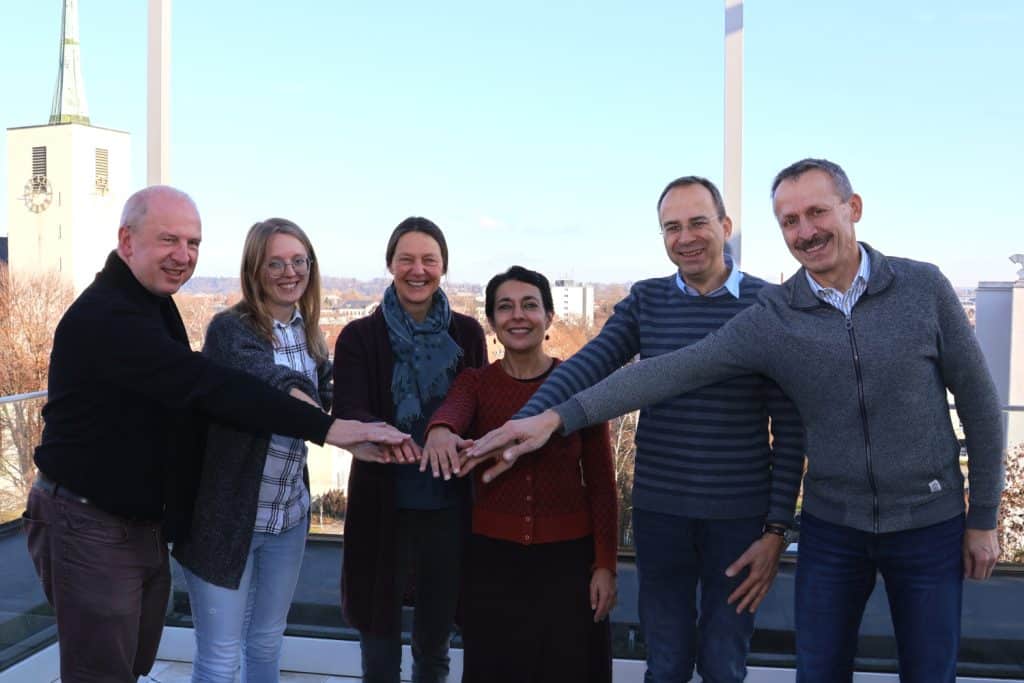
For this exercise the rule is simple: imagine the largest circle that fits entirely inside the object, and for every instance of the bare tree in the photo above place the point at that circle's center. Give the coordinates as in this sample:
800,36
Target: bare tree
623,430
30,308
196,311
566,338
1011,512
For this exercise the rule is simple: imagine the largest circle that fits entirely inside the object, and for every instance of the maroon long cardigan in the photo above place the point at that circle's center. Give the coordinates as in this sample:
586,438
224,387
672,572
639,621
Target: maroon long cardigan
363,364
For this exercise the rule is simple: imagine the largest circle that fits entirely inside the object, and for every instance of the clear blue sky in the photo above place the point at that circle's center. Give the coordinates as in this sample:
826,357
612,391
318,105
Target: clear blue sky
541,133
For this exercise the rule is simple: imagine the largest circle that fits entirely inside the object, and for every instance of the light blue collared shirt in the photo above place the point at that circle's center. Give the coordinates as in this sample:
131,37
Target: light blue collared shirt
730,286
845,301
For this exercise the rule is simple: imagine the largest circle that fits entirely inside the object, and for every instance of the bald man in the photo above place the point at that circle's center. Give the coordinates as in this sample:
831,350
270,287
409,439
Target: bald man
127,406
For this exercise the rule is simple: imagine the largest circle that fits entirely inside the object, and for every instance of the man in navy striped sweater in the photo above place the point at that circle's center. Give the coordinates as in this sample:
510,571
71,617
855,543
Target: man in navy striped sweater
869,347
713,490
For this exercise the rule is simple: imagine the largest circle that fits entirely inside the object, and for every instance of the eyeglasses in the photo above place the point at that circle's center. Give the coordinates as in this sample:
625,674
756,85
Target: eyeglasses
299,264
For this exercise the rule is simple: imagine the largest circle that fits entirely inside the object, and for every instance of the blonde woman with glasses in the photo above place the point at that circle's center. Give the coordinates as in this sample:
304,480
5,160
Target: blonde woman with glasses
251,516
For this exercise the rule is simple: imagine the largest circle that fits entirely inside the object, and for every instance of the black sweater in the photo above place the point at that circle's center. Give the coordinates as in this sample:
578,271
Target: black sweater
127,401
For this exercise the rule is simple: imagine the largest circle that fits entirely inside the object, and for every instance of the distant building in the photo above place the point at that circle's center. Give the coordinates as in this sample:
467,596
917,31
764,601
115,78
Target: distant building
66,180
342,313
999,324
574,302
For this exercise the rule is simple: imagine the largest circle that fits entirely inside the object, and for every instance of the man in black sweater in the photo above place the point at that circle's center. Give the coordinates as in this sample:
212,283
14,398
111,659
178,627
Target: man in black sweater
126,411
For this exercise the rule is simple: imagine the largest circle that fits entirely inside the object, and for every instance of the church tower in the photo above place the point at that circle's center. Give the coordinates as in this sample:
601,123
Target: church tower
66,180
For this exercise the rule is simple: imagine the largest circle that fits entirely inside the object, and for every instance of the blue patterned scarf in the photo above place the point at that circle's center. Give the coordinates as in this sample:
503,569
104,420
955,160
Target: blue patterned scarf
425,355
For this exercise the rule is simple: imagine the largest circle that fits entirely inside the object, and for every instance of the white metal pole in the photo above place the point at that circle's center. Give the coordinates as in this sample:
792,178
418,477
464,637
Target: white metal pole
158,119
733,163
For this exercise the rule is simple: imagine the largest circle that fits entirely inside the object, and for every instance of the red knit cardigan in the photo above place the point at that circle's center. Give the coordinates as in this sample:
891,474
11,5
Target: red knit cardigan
564,491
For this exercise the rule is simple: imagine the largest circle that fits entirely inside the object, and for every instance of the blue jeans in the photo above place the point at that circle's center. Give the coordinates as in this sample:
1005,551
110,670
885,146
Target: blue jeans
835,574
674,555
250,620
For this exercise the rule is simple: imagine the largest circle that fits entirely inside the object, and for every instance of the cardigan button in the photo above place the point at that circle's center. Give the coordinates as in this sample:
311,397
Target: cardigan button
528,519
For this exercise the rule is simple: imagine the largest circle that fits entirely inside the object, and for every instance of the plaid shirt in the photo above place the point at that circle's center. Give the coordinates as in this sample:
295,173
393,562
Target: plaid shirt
284,500
845,301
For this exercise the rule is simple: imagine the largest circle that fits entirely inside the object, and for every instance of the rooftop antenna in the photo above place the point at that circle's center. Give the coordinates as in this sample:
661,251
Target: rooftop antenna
1018,259
69,105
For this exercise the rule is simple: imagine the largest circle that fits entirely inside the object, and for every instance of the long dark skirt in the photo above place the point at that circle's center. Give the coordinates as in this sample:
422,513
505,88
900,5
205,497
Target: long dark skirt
527,616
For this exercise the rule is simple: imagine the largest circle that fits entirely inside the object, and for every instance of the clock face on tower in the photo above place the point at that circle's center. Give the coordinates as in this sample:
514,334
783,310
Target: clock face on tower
38,194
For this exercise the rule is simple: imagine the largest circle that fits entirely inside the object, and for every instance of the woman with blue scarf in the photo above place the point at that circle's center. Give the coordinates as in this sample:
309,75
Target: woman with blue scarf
404,528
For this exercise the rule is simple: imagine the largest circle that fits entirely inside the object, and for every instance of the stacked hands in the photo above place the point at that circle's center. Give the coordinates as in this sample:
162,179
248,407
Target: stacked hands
447,454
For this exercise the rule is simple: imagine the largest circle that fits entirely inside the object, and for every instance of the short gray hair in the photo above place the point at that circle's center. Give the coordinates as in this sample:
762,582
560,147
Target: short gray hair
138,204
839,178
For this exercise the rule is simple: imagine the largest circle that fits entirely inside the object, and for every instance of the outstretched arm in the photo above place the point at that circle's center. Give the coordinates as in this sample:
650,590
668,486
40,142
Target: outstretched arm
729,352
452,418
234,343
616,343
152,364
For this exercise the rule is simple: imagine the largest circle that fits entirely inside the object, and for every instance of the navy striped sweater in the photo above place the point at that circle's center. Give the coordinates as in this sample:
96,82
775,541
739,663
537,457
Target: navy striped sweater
706,454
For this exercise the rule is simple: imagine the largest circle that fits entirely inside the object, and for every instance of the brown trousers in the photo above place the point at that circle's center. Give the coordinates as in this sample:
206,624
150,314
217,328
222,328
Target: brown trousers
108,581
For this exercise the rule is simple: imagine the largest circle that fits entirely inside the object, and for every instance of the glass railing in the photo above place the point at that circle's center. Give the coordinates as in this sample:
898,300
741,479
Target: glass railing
26,620
993,641
21,426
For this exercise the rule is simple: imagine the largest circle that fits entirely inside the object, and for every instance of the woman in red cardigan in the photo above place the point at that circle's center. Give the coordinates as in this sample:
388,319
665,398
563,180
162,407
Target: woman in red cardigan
540,570
404,527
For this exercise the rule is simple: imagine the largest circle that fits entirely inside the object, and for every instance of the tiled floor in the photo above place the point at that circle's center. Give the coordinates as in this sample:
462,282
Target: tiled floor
177,672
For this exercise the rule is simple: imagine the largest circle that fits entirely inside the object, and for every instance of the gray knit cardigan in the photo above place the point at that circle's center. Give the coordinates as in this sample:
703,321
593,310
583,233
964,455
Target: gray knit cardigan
871,389
224,515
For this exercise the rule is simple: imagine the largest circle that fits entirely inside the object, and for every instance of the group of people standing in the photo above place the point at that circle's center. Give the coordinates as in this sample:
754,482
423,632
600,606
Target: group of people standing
462,496
226,479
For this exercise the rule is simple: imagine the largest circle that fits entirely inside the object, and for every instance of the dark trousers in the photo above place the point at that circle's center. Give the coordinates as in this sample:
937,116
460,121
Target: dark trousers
835,574
108,581
430,545
673,556
527,614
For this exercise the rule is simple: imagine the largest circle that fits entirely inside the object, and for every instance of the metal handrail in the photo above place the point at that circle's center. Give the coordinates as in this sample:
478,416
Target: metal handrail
42,394
1009,409
22,397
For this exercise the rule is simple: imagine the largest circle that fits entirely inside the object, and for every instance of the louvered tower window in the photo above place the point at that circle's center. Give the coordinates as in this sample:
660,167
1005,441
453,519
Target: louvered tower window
39,169
102,170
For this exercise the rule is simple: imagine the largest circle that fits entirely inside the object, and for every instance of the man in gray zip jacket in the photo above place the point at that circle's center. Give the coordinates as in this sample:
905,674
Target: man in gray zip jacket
866,347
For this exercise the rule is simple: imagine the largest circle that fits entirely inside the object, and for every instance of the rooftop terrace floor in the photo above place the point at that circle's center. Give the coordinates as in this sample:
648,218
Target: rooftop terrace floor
323,648
180,672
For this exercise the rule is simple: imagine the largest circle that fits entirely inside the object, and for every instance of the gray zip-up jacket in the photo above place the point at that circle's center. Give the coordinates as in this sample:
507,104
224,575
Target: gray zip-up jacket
871,389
